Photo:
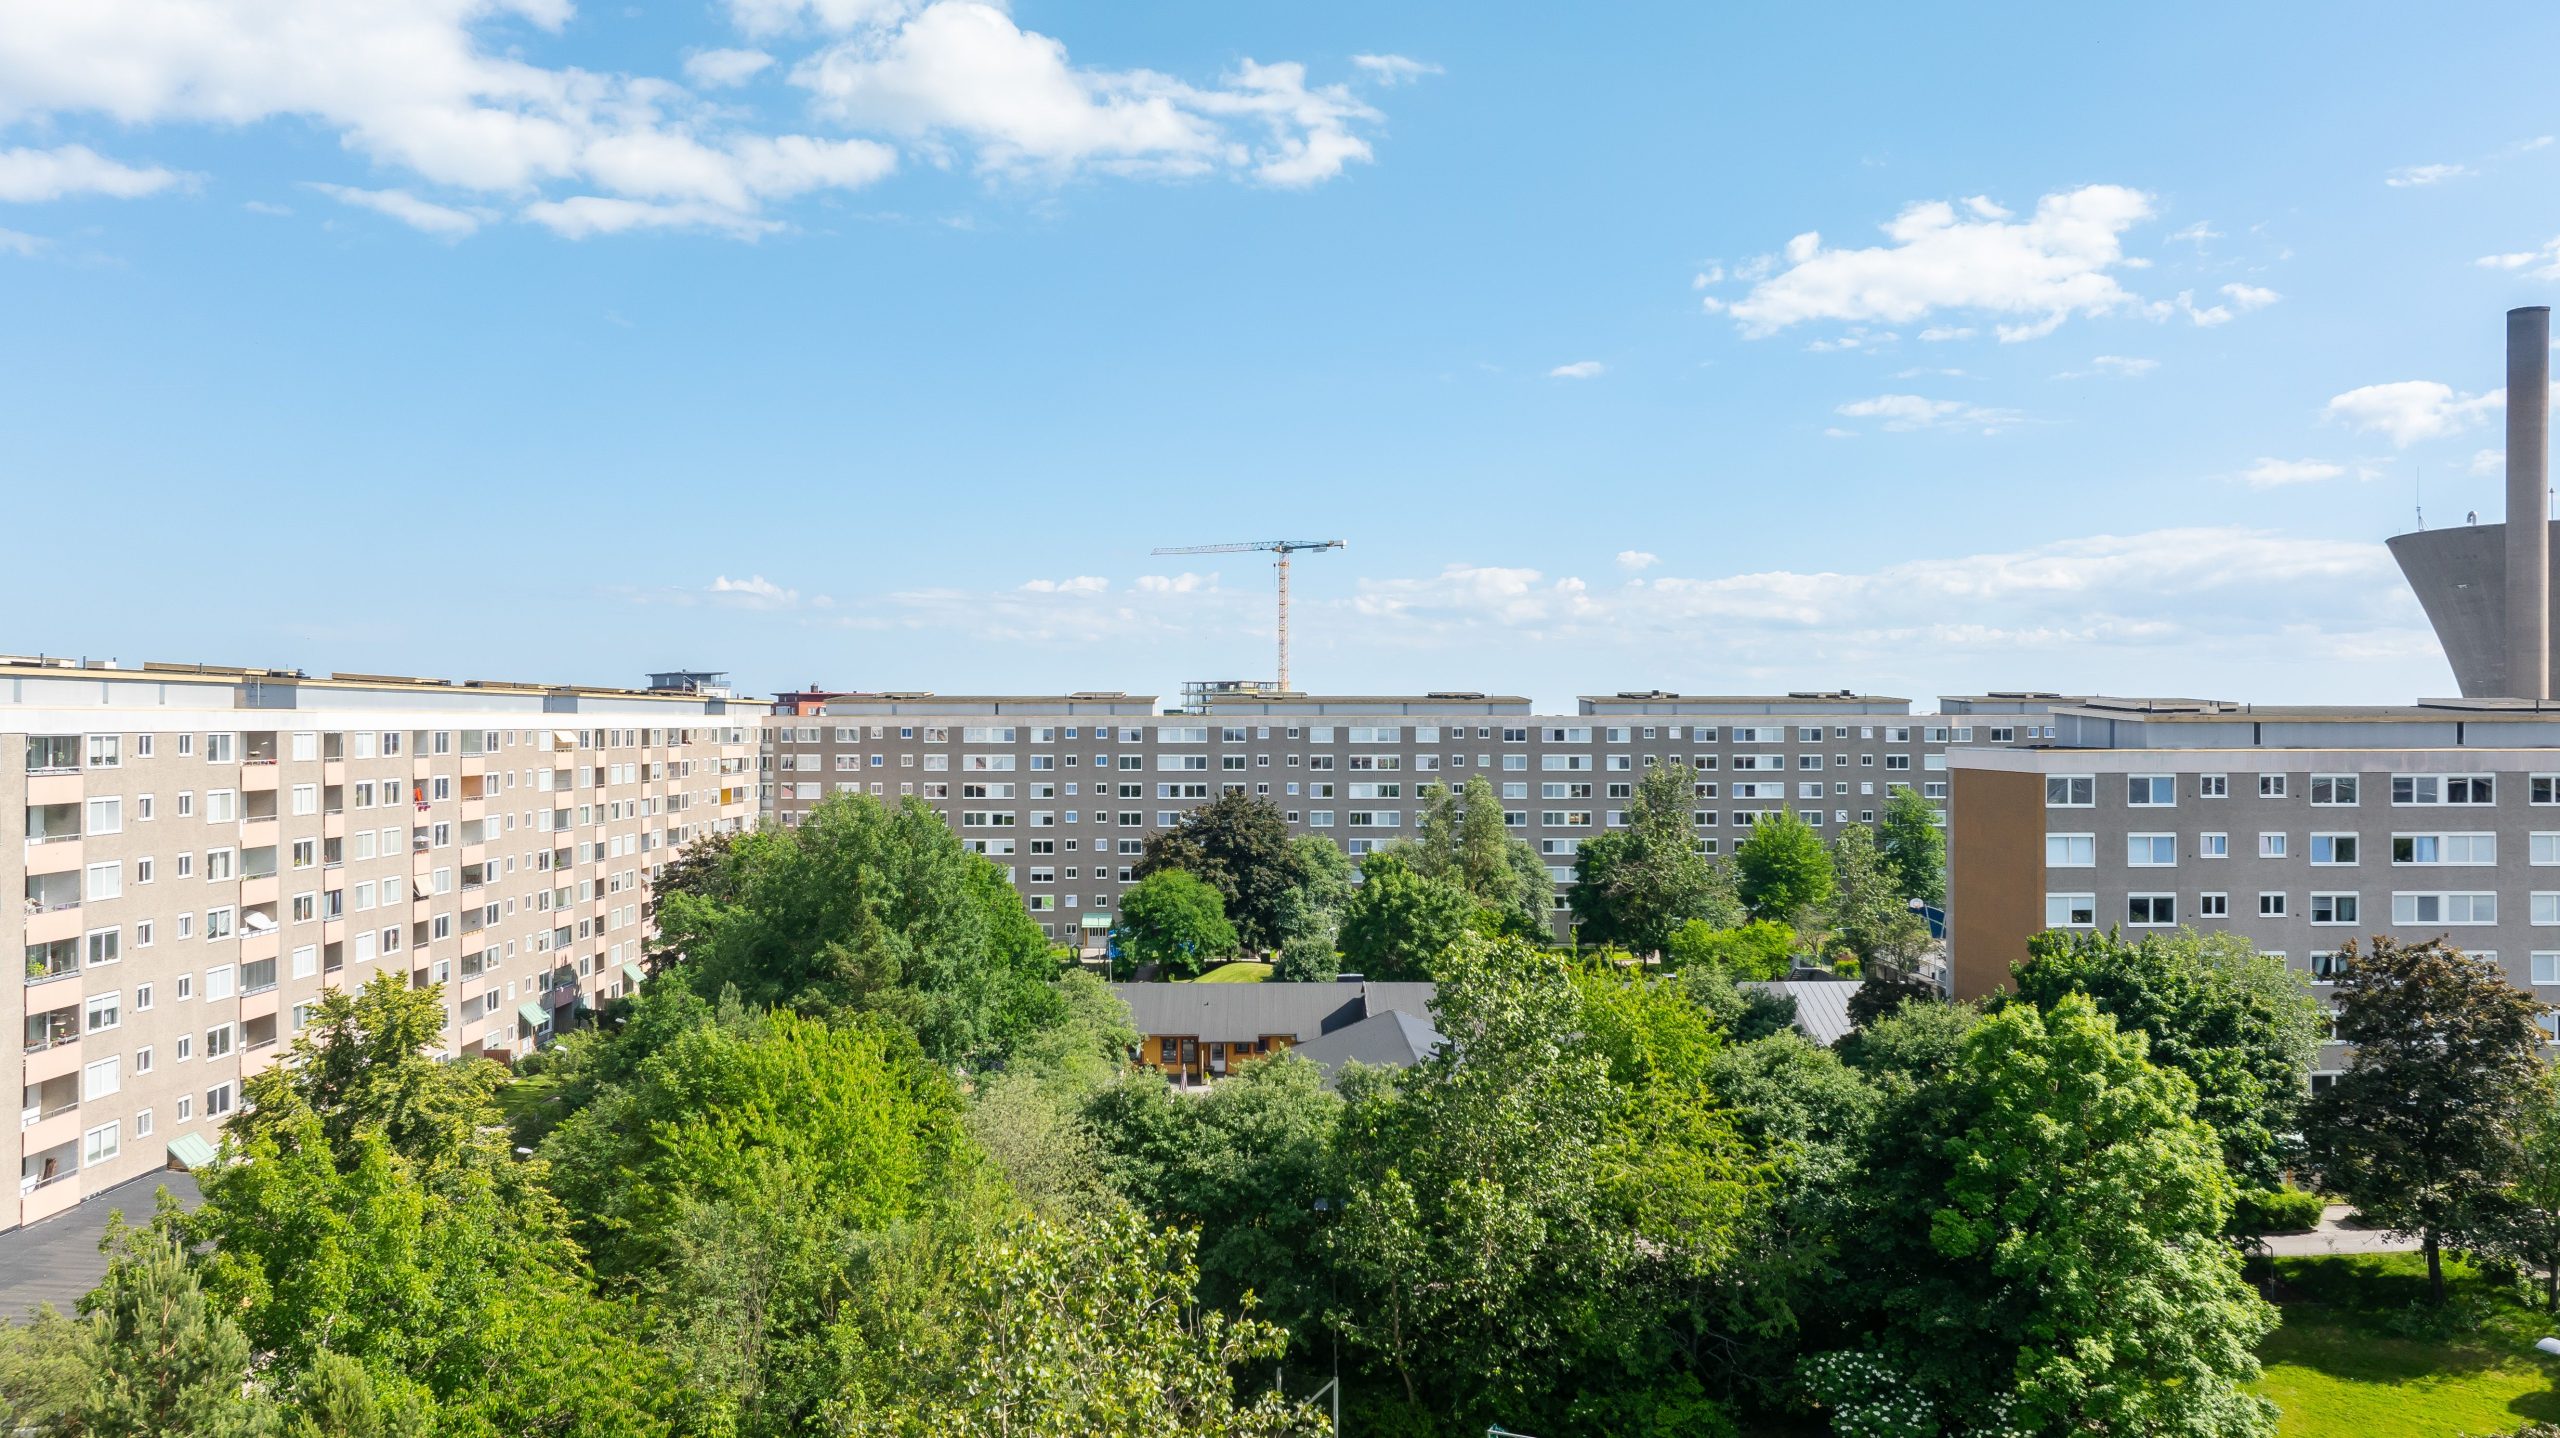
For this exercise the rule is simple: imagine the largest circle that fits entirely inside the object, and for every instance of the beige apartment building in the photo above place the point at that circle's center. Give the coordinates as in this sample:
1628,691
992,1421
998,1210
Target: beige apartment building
206,850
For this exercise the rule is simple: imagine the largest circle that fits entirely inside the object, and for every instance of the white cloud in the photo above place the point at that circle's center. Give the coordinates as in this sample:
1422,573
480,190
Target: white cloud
1579,369
438,96
2407,411
2489,461
1183,583
2198,233
2250,297
1637,560
2412,176
719,69
1713,274
2276,473
30,176
2541,264
1911,411
2151,603
753,592
963,69
19,243
2040,271
1939,334
1080,584
2125,365
407,208
2242,298
1394,69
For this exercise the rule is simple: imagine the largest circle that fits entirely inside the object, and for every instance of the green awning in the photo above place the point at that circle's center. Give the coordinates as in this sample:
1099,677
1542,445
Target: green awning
533,1014
631,975
190,1151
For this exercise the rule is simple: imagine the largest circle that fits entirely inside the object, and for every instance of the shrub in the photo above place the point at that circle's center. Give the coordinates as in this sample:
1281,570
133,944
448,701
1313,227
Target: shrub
2275,1210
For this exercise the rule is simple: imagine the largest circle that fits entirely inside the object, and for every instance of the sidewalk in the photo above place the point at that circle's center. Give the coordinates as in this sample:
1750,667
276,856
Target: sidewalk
2332,1236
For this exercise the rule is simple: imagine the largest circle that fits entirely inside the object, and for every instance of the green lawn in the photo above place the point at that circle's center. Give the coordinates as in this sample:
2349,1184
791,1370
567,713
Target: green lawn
2349,1363
1235,974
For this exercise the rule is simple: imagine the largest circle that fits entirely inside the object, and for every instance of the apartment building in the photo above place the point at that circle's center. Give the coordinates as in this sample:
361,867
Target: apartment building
207,849
1064,789
2298,828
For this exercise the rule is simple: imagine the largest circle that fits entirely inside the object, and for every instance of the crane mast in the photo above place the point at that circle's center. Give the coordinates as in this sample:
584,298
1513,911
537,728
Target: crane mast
1280,550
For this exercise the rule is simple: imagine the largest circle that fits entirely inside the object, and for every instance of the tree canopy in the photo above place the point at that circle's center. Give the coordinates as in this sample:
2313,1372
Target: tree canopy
1176,922
1240,846
1634,887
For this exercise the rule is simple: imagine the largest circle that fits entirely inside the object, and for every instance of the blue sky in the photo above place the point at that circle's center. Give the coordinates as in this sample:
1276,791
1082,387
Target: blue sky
875,342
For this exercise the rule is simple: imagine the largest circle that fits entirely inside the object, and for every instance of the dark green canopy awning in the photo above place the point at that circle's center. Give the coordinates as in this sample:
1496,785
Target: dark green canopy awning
190,1151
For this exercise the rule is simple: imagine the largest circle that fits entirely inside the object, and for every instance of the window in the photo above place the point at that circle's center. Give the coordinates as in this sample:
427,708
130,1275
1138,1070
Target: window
2333,849
2213,906
100,1144
2271,786
102,1013
2333,790
2271,906
2071,911
2271,846
103,881
2213,846
2213,786
2071,851
2150,910
2333,908
2151,851
2070,791
102,1079
2546,967
2462,908
2414,789
106,816
2150,791
2466,850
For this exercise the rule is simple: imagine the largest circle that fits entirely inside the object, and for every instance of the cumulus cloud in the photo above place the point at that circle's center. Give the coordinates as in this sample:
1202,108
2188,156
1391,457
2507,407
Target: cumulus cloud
1911,411
1579,369
2037,272
960,71
439,94
718,69
30,176
2277,473
408,209
1637,560
1394,69
1080,584
2418,176
2407,411
2250,297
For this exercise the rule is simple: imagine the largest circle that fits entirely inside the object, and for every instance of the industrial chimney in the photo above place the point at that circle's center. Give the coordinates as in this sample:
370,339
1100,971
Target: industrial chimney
2528,503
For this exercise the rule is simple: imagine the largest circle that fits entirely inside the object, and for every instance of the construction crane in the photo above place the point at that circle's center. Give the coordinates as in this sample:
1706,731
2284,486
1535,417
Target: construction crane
1280,549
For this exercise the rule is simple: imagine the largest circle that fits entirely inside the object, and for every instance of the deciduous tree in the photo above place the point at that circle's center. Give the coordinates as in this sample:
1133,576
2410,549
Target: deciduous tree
1914,846
1634,887
2426,1124
1239,845
1175,921
1781,870
1400,925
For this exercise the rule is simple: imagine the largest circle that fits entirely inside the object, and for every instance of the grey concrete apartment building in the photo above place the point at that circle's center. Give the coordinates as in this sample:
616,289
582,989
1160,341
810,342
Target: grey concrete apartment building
2298,828
1064,789
205,850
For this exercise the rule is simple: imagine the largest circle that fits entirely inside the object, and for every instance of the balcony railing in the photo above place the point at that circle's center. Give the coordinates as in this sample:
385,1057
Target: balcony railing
53,838
29,1118
53,1038
50,906
30,1182
45,973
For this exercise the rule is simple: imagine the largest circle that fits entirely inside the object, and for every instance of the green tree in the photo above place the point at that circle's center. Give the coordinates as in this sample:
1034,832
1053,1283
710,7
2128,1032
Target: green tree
2037,1241
706,869
1463,841
1914,845
1756,950
1868,913
2240,1024
44,1373
1320,885
2425,1126
1636,886
1885,988
864,908
2528,1212
1246,1164
1400,925
1087,1330
1781,869
163,1356
1175,921
1239,845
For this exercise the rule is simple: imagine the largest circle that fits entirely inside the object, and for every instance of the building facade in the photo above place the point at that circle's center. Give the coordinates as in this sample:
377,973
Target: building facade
1063,790
2297,828
207,849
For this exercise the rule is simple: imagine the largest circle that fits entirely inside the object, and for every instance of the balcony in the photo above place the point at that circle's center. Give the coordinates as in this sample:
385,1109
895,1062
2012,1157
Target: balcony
60,855
52,893
48,1182
50,1063
52,823
59,959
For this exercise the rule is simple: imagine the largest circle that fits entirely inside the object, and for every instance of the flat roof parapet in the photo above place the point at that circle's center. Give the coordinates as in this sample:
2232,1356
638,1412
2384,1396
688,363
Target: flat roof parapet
1664,703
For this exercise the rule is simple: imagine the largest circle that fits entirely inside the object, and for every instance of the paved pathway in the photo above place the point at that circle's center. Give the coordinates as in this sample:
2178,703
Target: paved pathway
57,1260
2334,1236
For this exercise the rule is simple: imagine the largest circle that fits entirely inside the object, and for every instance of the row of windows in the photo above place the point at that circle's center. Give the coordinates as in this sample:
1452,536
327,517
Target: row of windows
2161,910
1396,733
2324,850
2160,791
